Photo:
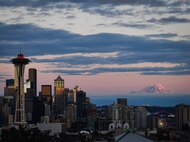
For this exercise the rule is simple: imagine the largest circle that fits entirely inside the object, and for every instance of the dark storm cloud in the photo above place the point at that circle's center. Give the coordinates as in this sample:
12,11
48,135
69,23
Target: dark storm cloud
36,41
169,20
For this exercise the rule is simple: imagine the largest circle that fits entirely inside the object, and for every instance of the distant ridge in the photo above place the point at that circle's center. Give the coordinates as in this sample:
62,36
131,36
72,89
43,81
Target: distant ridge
154,88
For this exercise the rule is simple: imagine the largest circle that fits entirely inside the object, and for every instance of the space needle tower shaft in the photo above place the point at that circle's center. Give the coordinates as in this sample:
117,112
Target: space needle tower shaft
19,66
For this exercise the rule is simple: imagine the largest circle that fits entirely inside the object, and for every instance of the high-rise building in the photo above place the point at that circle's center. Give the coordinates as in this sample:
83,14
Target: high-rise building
60,97
46,98
71,114
123,116
115,113
46,90
19,64
71,97
81,102
122,101
32,75
27,88
182,116
46,93
10,83
8,107
140,117
9,89
75,90
34,109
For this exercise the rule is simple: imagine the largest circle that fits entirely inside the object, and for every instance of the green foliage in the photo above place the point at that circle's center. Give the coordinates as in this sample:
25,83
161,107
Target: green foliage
25,135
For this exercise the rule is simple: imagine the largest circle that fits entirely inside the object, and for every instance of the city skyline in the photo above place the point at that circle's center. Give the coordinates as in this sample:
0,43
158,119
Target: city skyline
105,47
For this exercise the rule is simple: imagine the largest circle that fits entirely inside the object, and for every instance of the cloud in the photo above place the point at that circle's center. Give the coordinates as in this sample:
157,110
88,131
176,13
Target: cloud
70,17
166,35
108,10
167,73
180,2
132,25
36,3
4,76
186,36
169,20
39,3
58,47
98,55
92,17
141,70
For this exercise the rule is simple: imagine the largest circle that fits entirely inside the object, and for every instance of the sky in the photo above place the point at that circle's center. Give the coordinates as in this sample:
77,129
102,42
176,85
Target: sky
107,47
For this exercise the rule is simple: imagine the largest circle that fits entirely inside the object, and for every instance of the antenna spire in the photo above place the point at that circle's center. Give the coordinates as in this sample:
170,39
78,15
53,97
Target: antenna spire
20,50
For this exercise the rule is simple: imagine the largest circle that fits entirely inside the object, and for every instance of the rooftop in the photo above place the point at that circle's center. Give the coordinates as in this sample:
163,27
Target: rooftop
20,59
59,78
131,137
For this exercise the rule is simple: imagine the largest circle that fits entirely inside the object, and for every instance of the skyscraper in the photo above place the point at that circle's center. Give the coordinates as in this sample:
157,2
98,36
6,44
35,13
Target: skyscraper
8,103
75,90
32,75
71,97
27,88
9,90
46,90
46,93
70,114
59,95
122,101
81,101
182,116
19,64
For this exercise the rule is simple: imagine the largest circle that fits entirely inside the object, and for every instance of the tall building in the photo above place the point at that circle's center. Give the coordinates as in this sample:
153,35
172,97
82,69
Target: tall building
182,116
9,89
59,95
10,82
46,92
32,75
9,102
160,120
46,97
120,115
34,109
19,64
140,117
75,90
27,88
90,110
122,101
71,114
80,102
71,97
116,113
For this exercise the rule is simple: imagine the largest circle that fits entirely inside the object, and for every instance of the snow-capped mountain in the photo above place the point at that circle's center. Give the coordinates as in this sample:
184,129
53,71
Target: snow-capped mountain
154,88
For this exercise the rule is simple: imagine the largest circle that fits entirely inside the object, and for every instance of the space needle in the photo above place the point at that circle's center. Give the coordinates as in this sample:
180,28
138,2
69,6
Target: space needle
19,65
